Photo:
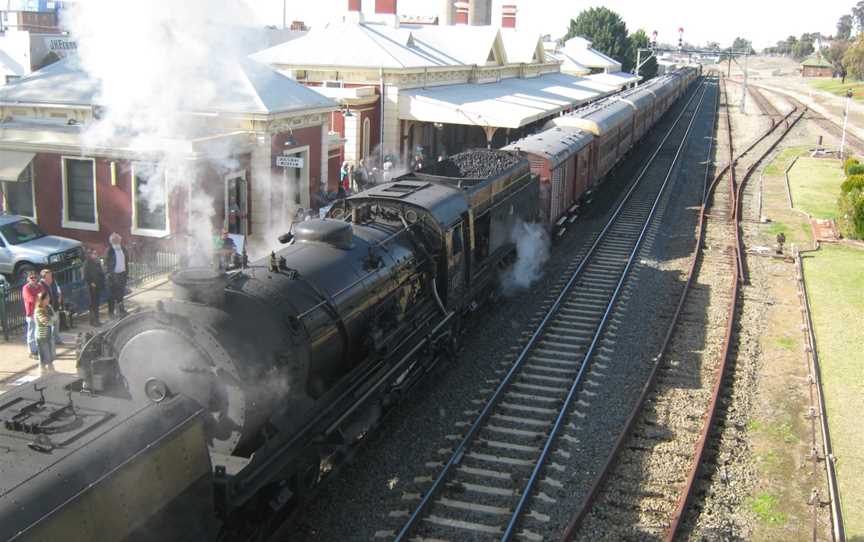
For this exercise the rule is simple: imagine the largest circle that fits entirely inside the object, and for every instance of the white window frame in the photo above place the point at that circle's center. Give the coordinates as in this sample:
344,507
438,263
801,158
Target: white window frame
35,216
367,135
147,232
66,222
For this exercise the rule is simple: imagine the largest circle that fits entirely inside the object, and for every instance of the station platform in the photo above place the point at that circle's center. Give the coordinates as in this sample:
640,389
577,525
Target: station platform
16,366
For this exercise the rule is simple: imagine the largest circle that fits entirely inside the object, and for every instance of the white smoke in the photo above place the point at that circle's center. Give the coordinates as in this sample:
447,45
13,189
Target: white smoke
532,253
161,66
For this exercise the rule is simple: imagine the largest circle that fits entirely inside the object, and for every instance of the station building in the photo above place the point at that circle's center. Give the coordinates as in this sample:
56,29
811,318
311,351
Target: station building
30,37
258,153
434,89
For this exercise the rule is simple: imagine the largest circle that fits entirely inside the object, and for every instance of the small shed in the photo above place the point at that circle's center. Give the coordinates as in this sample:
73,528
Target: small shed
816,66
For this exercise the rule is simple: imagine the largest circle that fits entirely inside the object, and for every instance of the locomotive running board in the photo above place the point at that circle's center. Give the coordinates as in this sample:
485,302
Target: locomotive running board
238,490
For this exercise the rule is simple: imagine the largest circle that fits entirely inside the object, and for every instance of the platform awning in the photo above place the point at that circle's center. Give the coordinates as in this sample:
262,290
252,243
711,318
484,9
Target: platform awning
12,163
509,103
616,79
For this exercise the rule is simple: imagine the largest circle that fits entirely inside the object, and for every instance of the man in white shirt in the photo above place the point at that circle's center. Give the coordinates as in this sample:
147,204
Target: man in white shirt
116,270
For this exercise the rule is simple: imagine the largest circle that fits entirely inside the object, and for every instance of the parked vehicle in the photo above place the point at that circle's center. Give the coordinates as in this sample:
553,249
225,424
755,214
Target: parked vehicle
24,247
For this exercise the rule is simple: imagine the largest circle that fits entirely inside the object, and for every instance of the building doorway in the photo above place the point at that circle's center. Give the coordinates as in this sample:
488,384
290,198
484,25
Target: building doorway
237,203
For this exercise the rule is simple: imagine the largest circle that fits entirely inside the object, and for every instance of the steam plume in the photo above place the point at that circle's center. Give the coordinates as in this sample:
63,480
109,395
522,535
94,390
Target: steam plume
532,251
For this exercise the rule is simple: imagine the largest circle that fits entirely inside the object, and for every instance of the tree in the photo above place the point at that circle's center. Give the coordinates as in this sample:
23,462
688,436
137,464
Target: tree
804,46
853,60
713,46
844,27
639,40
834,55
607,32
743,45
858,15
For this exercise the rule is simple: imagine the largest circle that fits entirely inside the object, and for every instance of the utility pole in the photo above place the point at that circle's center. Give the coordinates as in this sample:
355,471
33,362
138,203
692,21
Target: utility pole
744,93
845,122
284,14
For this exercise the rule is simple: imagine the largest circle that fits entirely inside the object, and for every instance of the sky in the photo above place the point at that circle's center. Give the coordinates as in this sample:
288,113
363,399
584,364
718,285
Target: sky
764,22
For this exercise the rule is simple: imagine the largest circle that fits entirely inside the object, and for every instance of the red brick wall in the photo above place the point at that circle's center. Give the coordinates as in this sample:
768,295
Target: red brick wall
385,6
114,203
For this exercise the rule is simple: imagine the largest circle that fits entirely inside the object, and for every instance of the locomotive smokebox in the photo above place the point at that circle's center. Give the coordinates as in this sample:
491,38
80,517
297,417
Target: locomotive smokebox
200,285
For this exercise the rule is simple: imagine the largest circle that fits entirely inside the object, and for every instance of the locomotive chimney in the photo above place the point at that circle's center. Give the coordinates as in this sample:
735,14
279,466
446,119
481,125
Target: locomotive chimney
387,9
355,11
508,16
200,285
461,13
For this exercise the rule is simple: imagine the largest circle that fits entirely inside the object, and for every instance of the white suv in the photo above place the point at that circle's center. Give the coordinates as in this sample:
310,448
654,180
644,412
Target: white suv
24,247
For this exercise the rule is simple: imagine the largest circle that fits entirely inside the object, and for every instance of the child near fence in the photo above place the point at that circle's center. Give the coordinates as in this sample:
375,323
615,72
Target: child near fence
44,316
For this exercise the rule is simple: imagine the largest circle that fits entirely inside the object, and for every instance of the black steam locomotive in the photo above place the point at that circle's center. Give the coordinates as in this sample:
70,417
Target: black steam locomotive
206,416
210,416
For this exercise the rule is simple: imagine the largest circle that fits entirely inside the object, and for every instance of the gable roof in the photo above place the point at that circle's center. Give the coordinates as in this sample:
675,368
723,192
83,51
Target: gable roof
579,51
254,89
816,60
369,45
522,46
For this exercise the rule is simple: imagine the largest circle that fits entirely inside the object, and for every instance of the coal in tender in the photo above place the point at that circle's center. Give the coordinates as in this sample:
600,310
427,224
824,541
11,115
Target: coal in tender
473,164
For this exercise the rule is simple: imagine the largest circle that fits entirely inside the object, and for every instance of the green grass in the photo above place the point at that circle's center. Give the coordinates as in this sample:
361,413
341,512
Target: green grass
835,282
834,86
782,160
786,343
764,505
804,233
815,184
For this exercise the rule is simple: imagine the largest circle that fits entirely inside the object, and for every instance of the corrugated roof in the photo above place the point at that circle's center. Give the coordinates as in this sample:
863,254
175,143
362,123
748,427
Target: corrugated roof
509,103
579,50
556,144
369,45
816,61
255,89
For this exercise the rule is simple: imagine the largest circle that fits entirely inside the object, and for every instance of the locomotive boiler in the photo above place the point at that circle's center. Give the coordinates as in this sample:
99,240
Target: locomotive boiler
272,368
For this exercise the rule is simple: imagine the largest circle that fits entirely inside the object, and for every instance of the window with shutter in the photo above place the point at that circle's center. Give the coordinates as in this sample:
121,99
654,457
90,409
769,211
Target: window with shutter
150,199
80,192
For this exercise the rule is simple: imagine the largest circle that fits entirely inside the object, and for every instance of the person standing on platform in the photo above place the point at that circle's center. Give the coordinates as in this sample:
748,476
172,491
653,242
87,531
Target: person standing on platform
94,276
44,316
55,295
116,269
30,295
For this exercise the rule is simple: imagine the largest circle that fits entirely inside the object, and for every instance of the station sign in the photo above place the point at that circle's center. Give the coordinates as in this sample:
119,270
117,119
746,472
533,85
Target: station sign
289,161
61,46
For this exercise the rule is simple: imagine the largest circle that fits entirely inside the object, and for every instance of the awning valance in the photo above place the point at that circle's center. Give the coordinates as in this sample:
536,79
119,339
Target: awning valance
13,163
618,79
509,103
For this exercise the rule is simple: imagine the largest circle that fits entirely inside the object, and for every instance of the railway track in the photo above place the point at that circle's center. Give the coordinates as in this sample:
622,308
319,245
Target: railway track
494,481
669,431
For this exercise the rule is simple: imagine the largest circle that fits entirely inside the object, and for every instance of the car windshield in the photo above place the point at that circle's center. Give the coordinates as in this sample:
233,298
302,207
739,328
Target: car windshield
21,232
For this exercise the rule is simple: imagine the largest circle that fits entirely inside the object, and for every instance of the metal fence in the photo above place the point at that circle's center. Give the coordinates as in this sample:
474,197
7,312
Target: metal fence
144,266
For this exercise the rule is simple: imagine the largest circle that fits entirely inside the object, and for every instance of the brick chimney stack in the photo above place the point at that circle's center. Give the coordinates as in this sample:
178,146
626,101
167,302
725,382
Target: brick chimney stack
461,13
355,11
387,10
508,16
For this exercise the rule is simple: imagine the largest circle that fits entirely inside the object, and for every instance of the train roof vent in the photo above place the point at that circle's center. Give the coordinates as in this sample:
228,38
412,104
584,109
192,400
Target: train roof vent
403,188
332,232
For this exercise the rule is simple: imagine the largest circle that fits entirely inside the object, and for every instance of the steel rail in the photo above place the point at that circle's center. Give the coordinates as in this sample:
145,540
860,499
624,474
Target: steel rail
684,500
737,281
576,520
833,489
459,451
529,486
